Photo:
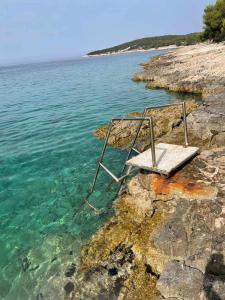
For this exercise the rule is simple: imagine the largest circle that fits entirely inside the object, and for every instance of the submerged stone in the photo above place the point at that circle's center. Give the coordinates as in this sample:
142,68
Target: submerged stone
70,270
69,287
113,272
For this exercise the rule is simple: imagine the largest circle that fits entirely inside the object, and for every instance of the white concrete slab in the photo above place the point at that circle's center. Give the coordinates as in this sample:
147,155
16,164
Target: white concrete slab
168,158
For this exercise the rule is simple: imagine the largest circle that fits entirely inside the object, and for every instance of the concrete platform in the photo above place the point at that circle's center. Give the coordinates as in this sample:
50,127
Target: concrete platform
168,158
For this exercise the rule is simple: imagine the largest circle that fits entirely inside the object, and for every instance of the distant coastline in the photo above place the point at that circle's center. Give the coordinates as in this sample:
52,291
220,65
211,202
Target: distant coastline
126,51
150,44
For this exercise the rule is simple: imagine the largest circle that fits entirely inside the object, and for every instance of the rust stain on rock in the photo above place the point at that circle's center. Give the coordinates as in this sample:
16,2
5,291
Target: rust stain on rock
166,188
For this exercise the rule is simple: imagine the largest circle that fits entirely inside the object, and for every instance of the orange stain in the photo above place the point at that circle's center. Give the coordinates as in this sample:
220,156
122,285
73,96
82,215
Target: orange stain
178,184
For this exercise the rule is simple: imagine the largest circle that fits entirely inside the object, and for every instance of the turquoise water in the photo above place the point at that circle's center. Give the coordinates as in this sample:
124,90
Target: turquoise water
48,154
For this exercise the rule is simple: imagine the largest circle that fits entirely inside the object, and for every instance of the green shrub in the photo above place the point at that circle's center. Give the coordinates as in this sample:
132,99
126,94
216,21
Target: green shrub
214,21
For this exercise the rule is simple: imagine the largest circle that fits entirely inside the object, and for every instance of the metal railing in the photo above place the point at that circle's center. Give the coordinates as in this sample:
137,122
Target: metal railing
152,143
141,119
184,113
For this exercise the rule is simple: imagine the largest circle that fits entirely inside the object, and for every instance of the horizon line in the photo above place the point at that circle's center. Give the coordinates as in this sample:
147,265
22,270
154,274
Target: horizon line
36,62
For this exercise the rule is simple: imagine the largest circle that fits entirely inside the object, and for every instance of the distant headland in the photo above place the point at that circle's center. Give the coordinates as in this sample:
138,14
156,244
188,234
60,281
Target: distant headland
151,43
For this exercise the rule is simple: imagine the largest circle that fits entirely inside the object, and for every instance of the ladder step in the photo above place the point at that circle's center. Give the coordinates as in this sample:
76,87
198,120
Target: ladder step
126,175
109,172
114,176
135,150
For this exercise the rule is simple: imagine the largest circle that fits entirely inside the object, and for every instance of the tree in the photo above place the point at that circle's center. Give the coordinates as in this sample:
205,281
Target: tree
214,22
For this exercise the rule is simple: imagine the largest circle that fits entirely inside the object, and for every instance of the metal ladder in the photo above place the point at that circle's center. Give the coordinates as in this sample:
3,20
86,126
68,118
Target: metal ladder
141,119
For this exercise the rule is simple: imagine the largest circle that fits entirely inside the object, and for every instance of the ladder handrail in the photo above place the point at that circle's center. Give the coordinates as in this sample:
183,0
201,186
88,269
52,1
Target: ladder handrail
183,104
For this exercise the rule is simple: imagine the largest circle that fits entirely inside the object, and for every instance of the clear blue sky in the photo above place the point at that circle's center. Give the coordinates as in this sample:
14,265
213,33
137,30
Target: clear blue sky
38,30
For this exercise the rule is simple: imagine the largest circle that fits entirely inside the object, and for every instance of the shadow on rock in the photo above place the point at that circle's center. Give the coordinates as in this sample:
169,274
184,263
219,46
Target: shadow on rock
214,277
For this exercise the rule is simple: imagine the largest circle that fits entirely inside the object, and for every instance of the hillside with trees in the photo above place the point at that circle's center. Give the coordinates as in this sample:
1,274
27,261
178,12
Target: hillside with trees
214,30
152,42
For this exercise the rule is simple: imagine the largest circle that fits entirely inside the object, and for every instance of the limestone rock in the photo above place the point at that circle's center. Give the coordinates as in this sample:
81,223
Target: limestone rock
196,69
172,240
180,234
180,281
219,139
174,226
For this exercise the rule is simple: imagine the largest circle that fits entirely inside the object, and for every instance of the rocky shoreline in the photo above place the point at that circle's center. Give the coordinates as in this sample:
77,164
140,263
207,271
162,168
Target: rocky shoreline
195,69
164,236
166,239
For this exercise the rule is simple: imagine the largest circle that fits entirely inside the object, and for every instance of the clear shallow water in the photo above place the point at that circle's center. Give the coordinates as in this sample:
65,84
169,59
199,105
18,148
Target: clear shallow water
47,152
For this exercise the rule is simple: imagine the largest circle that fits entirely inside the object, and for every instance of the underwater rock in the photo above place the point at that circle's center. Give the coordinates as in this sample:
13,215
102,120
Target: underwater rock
40,297
46,268
69,287
25,264
70,270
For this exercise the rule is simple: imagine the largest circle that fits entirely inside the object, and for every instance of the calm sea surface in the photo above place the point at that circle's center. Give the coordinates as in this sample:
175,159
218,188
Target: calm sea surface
48,154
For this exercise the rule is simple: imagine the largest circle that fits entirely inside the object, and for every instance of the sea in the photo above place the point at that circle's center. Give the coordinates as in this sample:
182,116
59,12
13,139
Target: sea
48,156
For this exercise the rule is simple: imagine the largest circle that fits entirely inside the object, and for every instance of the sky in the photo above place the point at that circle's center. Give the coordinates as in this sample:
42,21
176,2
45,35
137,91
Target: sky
42,30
